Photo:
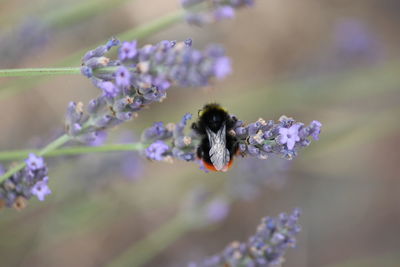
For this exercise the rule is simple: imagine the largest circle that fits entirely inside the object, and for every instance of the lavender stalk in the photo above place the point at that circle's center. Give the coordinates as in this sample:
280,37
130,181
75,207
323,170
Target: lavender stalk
265,248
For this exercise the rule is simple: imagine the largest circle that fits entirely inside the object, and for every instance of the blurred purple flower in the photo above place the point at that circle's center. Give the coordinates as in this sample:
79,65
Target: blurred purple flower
265,248
354,42
353,37
222,67
224,12
25,38
217,210
215,11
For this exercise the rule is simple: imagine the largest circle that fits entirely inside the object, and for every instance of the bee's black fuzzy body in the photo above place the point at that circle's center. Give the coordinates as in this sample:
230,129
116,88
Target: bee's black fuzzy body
214,117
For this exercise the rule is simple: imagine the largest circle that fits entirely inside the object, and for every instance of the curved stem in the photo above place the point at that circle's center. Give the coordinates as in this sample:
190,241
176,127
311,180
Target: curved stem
39,71
50,147
68,151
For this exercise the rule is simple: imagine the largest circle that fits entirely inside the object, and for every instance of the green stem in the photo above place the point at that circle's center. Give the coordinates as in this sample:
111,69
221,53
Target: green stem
39,71
144,250
50,147
69,151
52,71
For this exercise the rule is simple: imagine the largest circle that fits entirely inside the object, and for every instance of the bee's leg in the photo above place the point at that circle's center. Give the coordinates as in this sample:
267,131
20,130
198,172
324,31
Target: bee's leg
231,122
199,152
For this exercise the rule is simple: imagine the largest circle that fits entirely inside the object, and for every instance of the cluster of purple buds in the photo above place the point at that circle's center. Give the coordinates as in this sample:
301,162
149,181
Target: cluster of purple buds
261,138
266,248
170,141
213,11
31,181
258,139
139,77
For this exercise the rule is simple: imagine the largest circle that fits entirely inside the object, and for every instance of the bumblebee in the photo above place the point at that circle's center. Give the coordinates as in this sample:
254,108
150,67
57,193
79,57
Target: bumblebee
218,145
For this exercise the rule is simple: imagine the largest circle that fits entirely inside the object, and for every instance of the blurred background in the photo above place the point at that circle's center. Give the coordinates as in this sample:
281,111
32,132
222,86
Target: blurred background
334,61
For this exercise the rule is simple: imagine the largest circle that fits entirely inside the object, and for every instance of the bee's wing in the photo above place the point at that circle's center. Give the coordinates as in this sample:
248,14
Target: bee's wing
219,155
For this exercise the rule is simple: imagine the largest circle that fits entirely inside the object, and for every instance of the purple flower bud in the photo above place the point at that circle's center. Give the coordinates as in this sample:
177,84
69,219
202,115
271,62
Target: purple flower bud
103,121
75,129
124,116
239,123
162,84
156,132
41,189
100,138
95,105
188,42
186,118
127,50
253,150
122,77
242,147
87,71
110,91
112,42
183,155
253,128
157,150
315,127
74,112
267,148
96,53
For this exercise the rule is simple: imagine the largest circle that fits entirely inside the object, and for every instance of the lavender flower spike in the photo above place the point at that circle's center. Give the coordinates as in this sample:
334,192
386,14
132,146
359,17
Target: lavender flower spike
258,139
32,180
215,10
265,248
138,78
